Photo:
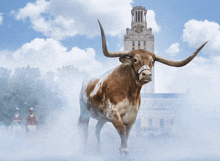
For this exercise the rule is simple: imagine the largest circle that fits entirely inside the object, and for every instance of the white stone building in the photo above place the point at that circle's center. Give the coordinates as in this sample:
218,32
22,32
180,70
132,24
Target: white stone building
158,112
140,37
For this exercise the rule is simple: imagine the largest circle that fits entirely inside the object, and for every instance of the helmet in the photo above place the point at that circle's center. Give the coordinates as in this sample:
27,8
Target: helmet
17,109
31,109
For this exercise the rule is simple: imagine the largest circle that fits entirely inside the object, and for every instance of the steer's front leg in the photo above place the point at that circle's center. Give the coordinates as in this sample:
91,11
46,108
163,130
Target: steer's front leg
122,132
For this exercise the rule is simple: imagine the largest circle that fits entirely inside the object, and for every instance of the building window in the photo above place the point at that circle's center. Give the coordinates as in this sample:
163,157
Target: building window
144,45
139,46
161,122
136,17
132,45
150,122
139,17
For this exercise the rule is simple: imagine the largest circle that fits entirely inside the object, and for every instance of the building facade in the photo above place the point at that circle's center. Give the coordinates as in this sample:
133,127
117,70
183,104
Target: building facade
140,37
158,112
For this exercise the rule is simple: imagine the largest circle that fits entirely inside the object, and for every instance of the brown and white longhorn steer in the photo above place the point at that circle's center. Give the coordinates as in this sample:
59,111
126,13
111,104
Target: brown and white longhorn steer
115,97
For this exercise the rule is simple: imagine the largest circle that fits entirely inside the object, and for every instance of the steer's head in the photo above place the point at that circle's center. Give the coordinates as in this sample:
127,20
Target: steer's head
142,61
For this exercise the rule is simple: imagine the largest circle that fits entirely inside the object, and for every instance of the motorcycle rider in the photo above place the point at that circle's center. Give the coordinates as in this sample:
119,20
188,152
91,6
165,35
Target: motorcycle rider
17,117
32,121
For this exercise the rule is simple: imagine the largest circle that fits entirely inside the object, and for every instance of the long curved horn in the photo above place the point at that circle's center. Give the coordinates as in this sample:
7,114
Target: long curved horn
179,63
105,50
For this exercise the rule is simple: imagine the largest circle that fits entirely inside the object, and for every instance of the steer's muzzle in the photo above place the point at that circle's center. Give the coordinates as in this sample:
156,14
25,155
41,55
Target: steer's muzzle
145,76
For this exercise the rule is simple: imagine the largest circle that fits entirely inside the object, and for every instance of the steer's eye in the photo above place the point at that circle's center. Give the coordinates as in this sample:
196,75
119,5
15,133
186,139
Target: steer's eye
135,60
152,63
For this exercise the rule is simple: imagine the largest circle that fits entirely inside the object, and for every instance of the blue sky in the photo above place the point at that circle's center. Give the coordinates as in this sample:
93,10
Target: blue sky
170,15
51,34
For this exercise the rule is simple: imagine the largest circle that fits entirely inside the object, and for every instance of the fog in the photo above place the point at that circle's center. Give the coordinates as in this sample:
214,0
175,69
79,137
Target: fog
58,138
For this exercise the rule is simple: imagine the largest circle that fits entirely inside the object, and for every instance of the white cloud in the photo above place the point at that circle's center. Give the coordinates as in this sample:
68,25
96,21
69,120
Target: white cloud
151,21
48,55
120,47
62,19
197,32
173,49
200,79
1,18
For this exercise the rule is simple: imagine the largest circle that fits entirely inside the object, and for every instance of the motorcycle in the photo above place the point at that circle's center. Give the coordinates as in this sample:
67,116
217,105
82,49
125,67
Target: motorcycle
16,127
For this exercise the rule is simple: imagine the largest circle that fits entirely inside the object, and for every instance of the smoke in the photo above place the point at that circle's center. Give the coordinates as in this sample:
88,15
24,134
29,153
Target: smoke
197,136
59,137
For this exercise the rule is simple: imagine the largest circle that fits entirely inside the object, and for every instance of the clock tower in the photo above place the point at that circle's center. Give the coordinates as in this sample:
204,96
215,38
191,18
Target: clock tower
140,37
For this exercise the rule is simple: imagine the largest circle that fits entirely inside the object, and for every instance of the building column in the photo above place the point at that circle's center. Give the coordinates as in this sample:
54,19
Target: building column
145,17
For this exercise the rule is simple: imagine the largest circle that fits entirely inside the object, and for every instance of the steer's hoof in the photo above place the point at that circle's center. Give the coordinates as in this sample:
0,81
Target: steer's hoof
123,151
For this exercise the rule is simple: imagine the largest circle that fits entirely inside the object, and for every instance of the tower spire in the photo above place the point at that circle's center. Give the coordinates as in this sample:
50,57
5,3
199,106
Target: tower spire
140,37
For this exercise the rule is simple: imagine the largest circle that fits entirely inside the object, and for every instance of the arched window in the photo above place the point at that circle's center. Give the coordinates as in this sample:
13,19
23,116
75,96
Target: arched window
136,16
133,45
141,16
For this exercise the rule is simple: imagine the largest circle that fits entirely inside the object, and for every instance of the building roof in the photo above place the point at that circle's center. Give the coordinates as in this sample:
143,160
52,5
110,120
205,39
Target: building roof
138,8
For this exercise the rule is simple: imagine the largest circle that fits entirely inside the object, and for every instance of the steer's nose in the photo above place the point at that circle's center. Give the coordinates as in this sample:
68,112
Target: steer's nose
146,74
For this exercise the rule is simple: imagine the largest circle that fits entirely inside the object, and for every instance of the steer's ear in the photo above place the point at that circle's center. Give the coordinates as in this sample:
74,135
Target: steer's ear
125,60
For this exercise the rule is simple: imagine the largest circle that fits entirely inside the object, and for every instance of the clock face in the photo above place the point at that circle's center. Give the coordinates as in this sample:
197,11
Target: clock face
138,29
